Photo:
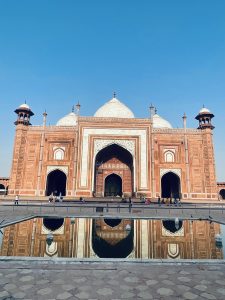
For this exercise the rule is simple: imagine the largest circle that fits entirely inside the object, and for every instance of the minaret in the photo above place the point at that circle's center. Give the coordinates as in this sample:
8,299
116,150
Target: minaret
44,118
19,162
23,114
204,117
184,121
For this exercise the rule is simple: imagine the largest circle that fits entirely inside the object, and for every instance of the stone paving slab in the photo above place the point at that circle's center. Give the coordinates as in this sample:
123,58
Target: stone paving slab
111,280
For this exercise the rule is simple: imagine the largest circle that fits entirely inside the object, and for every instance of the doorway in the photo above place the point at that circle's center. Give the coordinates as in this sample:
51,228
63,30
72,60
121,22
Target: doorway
56,183
170,186
113,185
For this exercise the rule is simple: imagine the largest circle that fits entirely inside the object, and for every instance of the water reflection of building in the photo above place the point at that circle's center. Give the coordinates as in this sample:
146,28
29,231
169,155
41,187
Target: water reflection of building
119,238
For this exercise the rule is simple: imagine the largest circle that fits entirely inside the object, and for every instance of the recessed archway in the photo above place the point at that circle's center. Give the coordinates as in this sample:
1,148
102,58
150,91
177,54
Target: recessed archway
2,189
113,185
113,172
170,185
56,183
222,194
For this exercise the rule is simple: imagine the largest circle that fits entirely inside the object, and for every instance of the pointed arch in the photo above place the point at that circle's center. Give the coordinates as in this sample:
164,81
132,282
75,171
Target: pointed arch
59,154
56,183
170,185
113,185
116,160
222,194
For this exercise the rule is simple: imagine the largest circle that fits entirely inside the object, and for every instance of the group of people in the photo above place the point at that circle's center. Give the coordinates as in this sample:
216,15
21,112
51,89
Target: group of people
55,198
169,201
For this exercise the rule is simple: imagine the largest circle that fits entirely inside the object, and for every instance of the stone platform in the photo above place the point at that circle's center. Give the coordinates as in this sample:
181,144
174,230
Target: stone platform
62,279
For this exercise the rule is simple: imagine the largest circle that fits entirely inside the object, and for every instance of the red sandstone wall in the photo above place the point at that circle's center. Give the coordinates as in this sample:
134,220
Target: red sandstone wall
196,163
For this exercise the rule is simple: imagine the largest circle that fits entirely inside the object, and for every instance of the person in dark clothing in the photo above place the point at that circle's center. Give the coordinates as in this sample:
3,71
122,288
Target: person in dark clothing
159,200
130,204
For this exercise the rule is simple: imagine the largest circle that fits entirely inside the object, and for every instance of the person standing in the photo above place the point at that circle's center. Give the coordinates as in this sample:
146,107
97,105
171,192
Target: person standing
159,201
130,204
17,200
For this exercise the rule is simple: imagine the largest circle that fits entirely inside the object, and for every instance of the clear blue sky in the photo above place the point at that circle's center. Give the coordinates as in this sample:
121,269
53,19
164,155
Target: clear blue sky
168,52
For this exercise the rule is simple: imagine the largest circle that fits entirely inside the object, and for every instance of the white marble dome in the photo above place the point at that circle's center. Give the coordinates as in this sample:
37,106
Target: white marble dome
159,122
114,109
68,120
24,105
204,110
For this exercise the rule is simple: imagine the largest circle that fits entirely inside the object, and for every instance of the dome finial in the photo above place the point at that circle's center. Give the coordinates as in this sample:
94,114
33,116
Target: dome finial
151,108
78,108
73,108
114,94
155,111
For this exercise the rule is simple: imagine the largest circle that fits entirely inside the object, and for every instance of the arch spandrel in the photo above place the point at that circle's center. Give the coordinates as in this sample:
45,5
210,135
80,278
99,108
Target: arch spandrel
175,171
64,169
128,145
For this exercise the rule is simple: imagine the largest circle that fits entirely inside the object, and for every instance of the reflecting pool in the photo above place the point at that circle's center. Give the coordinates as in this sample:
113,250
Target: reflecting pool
114,238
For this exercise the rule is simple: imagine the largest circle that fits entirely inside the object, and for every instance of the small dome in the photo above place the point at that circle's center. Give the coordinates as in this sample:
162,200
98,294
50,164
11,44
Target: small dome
114,109
68,120
159,122
24,105
204,110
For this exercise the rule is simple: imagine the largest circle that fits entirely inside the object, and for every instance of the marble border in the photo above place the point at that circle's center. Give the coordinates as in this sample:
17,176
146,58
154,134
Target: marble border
117,132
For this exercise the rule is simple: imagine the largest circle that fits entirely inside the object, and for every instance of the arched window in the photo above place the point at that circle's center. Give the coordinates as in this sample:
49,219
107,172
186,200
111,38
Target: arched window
58,154
169,156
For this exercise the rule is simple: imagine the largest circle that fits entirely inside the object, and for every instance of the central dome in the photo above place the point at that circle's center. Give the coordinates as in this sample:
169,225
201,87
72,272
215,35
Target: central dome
114,109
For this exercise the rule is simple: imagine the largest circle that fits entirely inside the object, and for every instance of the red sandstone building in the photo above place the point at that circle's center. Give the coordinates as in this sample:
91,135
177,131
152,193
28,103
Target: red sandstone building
113,154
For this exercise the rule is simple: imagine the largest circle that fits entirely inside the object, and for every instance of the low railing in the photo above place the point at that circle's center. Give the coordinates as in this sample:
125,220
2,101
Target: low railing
106,208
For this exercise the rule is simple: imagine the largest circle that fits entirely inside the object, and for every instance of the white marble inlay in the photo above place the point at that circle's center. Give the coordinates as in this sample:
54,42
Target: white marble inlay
141,133
64,169
126,144
175,171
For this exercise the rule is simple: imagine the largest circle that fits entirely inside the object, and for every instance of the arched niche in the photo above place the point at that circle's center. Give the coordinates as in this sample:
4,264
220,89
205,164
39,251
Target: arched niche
116,160
56,183
170,185
222,194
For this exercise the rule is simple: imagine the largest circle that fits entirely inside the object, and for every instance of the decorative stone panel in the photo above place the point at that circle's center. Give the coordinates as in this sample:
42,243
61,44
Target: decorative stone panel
175,171
64,169
129,145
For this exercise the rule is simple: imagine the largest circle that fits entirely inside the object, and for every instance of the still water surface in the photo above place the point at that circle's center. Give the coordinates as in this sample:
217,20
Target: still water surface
114,238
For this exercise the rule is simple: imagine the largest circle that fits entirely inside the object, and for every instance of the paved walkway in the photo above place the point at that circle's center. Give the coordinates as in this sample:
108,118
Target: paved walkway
42,280
33,278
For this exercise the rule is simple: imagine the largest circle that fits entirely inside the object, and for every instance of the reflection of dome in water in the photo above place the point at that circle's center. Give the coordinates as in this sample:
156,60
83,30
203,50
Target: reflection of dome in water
53,224
112,242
